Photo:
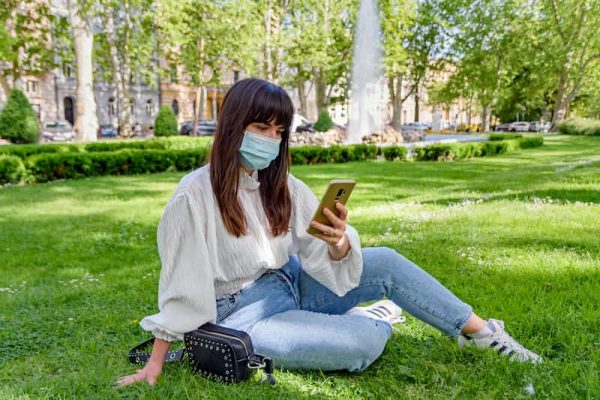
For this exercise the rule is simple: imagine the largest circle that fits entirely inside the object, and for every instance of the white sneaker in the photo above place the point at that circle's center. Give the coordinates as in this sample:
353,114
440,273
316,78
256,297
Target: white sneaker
384,310
494,336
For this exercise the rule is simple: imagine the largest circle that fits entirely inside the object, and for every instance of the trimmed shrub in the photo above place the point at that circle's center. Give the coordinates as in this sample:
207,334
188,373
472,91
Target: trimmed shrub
503,136
392,153
48,167
12,169
115,146
27,150
18,122
580,126
527,143
165,123
183,142
458,151
334,154
324,122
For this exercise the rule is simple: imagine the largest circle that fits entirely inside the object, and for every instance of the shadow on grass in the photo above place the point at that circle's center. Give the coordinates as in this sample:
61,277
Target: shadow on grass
545,195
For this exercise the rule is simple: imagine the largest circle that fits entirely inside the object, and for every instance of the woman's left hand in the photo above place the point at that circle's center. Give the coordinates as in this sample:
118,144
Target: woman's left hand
335,235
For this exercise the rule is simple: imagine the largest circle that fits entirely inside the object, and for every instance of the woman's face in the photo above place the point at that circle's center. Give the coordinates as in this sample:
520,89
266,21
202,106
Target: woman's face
269,130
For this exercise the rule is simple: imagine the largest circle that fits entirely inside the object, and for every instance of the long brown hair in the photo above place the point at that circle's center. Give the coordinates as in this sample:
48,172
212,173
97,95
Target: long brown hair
247,101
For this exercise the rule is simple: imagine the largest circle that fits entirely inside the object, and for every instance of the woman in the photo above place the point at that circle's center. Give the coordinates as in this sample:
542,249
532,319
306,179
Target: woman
234,251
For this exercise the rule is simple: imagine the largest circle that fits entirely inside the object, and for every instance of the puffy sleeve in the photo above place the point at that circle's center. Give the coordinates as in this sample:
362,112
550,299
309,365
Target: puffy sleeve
186,294
339,276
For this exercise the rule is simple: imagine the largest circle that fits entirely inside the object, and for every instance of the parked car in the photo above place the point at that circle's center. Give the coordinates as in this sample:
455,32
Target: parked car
503,127
307,127
107,130
539,126
299,120
204,128
415,127
522,126
57,131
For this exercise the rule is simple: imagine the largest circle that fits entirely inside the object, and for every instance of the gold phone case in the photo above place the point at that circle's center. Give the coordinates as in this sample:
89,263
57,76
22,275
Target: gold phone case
339,190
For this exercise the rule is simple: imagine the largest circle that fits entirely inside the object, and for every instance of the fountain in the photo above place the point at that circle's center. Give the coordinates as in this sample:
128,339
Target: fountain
368,97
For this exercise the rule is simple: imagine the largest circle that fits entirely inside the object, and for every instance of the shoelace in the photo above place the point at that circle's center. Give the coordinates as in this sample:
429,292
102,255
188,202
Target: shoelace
504,339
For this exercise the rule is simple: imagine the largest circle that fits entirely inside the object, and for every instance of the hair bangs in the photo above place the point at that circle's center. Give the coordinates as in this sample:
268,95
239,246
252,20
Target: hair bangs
272,104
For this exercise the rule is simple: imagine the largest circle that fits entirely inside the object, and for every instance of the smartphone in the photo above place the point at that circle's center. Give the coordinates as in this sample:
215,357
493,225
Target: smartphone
338,191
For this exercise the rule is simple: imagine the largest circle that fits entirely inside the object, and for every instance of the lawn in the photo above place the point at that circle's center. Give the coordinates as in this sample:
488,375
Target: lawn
516,236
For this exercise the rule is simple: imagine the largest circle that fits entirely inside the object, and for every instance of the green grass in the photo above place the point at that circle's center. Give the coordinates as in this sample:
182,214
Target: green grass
516,236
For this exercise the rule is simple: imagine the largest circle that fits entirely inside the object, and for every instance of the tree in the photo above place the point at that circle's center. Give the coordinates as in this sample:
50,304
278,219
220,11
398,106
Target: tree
324,123
206,37
81,15
486,49
18,122
165,123
25,44
570,33
126,44
319,48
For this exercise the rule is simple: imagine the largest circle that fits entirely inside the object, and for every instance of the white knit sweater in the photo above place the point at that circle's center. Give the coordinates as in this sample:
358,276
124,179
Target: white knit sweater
202,261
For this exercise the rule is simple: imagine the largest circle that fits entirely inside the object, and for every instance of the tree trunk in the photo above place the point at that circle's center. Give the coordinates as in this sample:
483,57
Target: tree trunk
396,88
125,93
268,56
199,111
321,92
560,105
302,97
214,104
485,119
86,120
116,66
417,119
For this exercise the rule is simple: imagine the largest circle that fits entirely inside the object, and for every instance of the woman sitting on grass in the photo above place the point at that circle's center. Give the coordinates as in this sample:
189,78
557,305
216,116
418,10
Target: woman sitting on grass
235,251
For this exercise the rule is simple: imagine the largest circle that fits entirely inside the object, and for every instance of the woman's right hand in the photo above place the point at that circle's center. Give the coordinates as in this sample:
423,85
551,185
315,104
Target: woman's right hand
149,373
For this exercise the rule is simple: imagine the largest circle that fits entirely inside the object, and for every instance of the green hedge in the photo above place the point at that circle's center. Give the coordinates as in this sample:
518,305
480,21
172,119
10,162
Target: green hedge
493,137
333,154
48,167
580,126
392,153
131,145
164,143
12,169
28,150
458,151
72,163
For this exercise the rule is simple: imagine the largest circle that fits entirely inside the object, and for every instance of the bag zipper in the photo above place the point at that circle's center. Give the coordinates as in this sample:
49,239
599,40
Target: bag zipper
229,336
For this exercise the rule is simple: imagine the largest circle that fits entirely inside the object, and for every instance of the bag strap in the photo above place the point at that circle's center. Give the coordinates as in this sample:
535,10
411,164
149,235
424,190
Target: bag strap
264,363
137,357
256,361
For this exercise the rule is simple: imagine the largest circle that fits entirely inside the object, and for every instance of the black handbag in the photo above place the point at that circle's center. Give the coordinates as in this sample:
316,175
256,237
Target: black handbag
215,352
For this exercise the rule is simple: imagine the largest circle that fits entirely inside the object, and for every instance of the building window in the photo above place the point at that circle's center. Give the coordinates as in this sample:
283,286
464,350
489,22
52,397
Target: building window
236,76
132,106
149,108
36,110
31,86
175,107
111,107
68,70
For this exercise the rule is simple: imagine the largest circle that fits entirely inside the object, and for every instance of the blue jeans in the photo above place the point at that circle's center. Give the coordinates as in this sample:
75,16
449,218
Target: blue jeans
299,323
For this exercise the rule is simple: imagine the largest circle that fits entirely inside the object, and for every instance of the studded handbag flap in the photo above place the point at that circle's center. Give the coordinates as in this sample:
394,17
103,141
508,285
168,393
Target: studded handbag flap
217,353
